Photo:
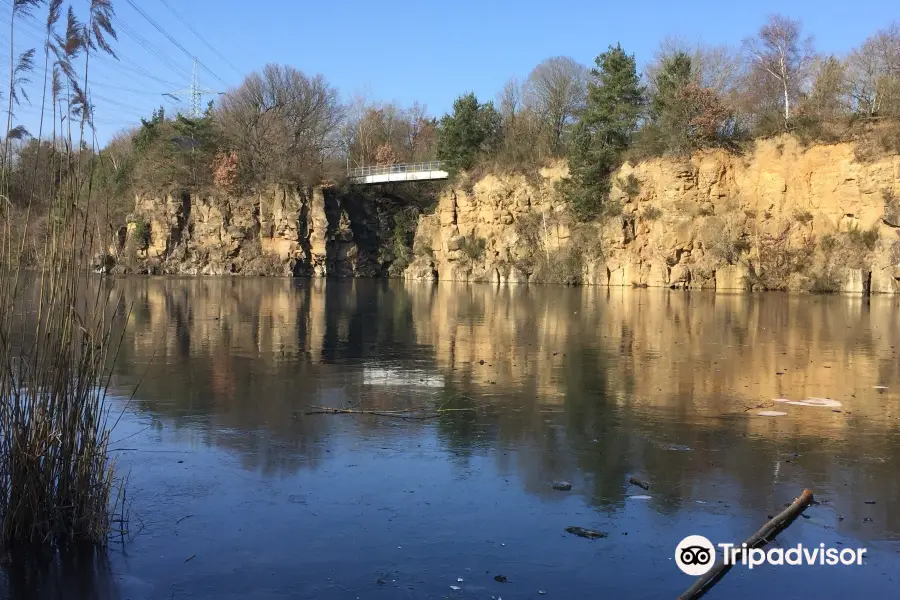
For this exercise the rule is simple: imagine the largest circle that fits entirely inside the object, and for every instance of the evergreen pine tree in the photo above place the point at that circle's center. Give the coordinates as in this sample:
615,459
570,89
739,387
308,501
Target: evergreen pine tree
471,129
615,101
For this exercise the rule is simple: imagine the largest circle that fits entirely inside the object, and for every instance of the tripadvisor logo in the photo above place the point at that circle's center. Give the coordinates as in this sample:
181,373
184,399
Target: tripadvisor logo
695,555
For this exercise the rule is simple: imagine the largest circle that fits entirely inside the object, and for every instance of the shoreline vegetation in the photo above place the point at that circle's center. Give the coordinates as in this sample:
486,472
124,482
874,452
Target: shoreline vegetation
58,486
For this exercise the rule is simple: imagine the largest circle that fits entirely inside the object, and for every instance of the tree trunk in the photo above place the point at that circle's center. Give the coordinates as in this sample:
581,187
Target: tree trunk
787,103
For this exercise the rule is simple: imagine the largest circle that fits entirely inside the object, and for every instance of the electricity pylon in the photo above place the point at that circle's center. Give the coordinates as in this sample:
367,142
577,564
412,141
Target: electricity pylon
195,93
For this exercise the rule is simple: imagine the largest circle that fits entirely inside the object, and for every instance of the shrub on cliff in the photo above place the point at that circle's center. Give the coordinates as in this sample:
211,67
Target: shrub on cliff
225,170
174,153
777,261
400,252
683,114
473,247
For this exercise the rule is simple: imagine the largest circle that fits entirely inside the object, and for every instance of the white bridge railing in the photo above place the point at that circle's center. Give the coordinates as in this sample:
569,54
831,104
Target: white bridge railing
434,165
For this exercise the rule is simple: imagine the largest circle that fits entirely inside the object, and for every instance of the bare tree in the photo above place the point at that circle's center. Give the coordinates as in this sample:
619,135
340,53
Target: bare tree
353,133
828,97
510,99
781,53
519,125
282,123
874,74
373,131
420,133
718,68
556,91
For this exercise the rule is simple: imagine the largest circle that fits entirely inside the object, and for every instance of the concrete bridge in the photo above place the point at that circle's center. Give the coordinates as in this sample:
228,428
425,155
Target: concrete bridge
389,173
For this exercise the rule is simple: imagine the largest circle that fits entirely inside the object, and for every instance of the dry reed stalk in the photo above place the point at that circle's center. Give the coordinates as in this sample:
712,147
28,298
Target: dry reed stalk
56,477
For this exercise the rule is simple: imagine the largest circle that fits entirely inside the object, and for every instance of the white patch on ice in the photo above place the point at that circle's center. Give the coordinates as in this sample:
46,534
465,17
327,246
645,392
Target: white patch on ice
771,413
401,377
823,402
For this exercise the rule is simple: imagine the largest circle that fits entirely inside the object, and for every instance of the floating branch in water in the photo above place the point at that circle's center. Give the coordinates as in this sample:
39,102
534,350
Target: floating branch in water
586,533
759,539
421,413
396,414
639,482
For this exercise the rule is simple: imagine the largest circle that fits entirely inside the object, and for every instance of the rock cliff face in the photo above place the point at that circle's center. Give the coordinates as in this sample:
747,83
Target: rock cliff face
779,217
305,232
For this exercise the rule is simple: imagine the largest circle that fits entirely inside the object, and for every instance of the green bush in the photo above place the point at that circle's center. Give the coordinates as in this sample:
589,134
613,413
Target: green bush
611,208
141,232
828,243
630,185
651,213
473,247
174,154
470,130
803,216
863,238
599,141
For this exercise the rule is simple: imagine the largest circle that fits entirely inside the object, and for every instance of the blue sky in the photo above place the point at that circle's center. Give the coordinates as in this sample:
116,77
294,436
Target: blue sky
410,51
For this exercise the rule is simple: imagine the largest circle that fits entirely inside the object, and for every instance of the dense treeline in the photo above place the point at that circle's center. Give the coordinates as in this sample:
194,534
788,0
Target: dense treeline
687,98
282,126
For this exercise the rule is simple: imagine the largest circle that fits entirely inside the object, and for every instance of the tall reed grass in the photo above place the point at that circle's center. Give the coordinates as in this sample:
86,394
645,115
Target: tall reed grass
56,475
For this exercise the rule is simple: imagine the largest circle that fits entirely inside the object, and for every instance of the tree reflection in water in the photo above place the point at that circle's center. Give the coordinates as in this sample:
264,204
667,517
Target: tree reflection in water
587,385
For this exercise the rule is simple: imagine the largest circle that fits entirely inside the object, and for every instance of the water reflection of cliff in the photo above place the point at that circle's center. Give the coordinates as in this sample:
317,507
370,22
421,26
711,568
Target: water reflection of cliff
574,383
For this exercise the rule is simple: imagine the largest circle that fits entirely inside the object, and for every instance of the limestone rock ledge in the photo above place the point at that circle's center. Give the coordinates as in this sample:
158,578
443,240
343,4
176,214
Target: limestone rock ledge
281,231
781,216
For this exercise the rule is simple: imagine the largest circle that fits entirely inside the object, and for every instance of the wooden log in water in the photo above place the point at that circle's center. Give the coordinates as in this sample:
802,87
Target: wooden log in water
759,539
322,410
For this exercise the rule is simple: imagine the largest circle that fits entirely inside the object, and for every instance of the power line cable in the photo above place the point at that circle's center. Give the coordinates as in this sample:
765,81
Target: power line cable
151,48
137,110
172,39
112,64
109,86
31,29
201,38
